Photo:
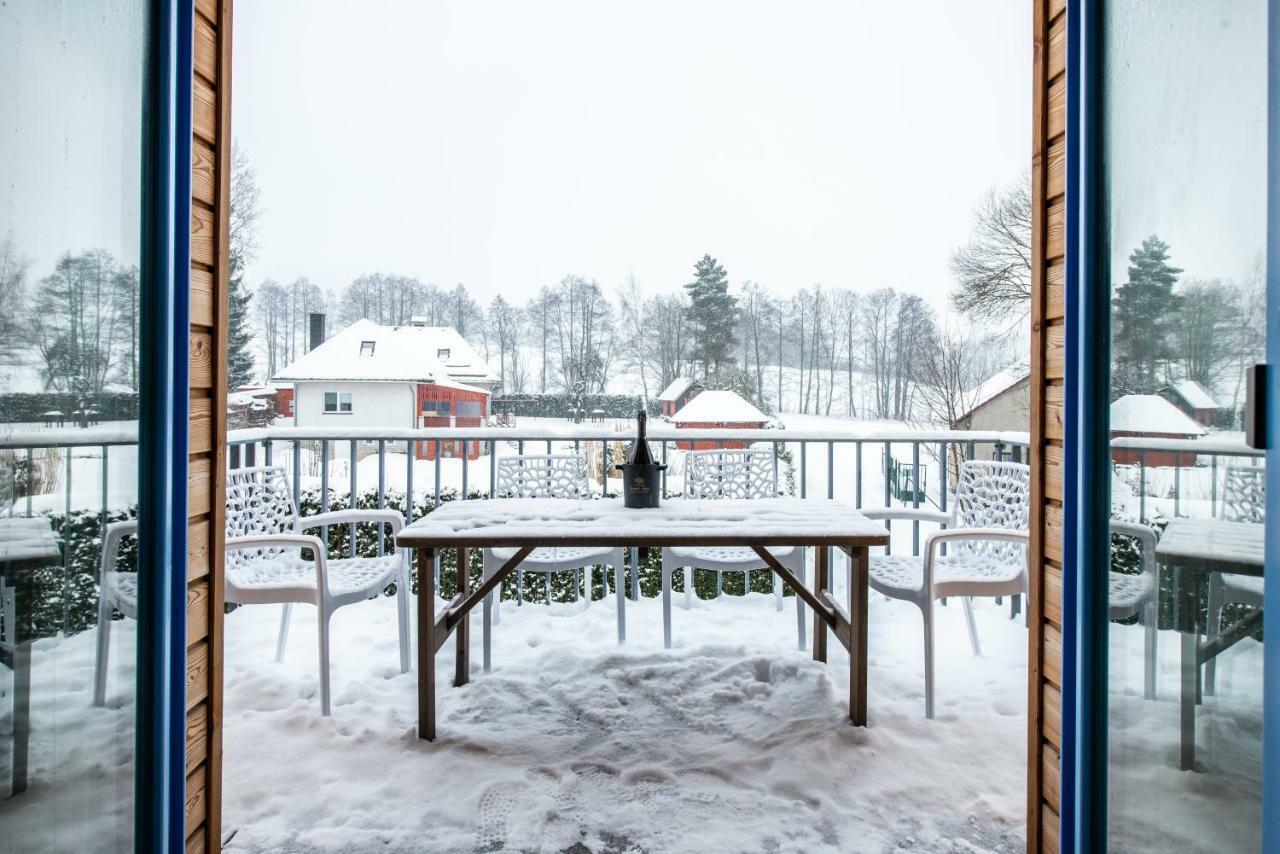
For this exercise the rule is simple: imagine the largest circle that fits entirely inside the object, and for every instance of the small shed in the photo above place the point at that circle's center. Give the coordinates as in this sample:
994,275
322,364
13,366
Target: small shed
718,409
677,394
1150,416
1193,399
1002,402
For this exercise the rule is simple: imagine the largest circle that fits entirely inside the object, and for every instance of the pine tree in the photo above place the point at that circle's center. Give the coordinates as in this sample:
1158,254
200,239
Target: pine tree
712,315
239,358
245,209
1144,311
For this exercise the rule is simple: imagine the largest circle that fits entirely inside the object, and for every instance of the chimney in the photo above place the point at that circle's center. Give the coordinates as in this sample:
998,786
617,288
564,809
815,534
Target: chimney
315,326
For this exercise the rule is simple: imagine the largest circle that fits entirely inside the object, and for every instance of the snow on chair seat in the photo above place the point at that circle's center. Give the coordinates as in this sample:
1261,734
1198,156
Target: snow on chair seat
547,476
987,536
731,475
264,563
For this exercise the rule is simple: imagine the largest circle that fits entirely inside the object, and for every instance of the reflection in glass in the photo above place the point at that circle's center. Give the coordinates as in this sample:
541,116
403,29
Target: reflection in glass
70,157
1185,172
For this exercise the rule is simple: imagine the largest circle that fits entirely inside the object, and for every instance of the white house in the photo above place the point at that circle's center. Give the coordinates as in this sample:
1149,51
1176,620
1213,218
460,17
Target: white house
390,376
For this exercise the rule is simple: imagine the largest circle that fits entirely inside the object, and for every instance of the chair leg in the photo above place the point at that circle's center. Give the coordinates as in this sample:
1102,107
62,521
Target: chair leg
777,590
486,631
967,601
926,610
577,583
666,604
402,614
688,587
1149,652
286,613
104,648
322,630
519,587
1216,596
546,588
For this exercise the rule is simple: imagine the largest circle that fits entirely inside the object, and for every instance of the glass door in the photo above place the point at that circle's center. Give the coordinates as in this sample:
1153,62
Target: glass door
71,152
1184,171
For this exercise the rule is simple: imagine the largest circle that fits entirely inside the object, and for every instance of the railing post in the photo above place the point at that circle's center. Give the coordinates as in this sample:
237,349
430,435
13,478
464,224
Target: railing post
1213,486
66,548
382,493
105,498
915,497
1142,486
857,475
266,452
30,475
804,468
493,468
888,476
324,486
351,489
1177,483
297,471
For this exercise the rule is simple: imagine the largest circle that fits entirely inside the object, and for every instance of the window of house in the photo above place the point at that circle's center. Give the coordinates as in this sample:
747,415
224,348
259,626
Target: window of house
442,353
366,348
435,407
337,401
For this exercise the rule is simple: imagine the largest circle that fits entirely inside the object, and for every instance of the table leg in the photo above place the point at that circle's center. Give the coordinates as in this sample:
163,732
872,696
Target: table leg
858,594
1189,584
21,715
426,645
462,674
820,582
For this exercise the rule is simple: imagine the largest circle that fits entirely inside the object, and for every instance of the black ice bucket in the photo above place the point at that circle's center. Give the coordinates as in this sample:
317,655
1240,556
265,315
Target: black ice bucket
641,484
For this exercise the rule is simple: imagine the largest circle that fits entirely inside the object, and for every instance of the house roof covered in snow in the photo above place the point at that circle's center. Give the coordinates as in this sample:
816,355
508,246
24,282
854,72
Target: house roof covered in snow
678,386
1193,394
1151,414
365,351
719,407
994,386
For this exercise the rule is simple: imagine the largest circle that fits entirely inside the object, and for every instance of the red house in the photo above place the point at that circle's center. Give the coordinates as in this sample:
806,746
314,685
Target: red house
1149,416
676,395
377,377
1193,399
718,409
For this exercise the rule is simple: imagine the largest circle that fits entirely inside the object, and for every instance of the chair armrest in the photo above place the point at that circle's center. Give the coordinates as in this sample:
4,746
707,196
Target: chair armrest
989,534
111,538
343,517
907,513
276,541
1146,537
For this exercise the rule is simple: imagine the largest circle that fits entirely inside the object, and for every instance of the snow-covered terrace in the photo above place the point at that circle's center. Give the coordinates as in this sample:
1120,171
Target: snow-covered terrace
734,740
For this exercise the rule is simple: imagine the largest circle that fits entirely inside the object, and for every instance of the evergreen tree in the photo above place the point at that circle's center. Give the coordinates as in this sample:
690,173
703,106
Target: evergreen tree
712,315
245,209
1144,311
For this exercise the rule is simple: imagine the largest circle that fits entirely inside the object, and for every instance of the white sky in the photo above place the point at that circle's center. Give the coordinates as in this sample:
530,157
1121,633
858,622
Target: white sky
506,144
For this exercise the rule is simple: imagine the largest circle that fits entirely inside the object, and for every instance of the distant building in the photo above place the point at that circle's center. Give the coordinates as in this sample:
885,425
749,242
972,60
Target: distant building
718,409
371,376
1194,400
1002,402
681,391
1149,416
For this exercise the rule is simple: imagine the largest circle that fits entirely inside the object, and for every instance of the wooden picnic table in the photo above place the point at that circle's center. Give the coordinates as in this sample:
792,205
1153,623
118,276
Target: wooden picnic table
529,523
1193,548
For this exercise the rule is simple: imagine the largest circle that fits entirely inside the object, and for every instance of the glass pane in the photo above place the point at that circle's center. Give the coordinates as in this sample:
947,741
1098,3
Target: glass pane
1185,159
70,155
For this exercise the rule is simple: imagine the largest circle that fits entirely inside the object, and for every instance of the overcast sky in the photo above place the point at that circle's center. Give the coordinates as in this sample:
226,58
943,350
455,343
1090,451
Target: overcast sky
506,144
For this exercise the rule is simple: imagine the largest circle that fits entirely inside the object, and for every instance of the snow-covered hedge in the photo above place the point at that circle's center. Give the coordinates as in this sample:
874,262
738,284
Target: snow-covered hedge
561,405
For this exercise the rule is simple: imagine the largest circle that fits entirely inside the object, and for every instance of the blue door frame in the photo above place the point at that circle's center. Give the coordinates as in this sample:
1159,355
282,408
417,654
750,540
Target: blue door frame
159,801
1086,505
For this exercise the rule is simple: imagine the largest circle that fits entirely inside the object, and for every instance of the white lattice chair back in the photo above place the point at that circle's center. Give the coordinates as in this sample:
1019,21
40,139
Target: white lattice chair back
993,494
259,501
543,476
1244,494
729,474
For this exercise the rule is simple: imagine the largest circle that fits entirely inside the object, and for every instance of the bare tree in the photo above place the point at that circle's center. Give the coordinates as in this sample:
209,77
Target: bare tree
993,270
632,333
13,298
506,325
949,382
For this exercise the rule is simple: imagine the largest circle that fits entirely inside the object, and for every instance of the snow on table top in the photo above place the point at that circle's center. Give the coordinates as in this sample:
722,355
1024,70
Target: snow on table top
1213,544
570,522
26,541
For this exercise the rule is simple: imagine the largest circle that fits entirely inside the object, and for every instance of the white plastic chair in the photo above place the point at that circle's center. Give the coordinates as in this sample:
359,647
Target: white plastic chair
987,537
264,564
548,476
1130,595
1244,499
117,591
728,474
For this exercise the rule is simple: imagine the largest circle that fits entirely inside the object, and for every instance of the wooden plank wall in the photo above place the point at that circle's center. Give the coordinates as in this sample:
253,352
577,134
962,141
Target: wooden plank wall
210,195
1048,357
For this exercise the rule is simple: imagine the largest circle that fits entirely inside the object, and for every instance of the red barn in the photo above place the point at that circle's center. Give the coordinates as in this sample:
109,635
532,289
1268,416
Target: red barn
718,409
1149,416
676,395
1193,399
